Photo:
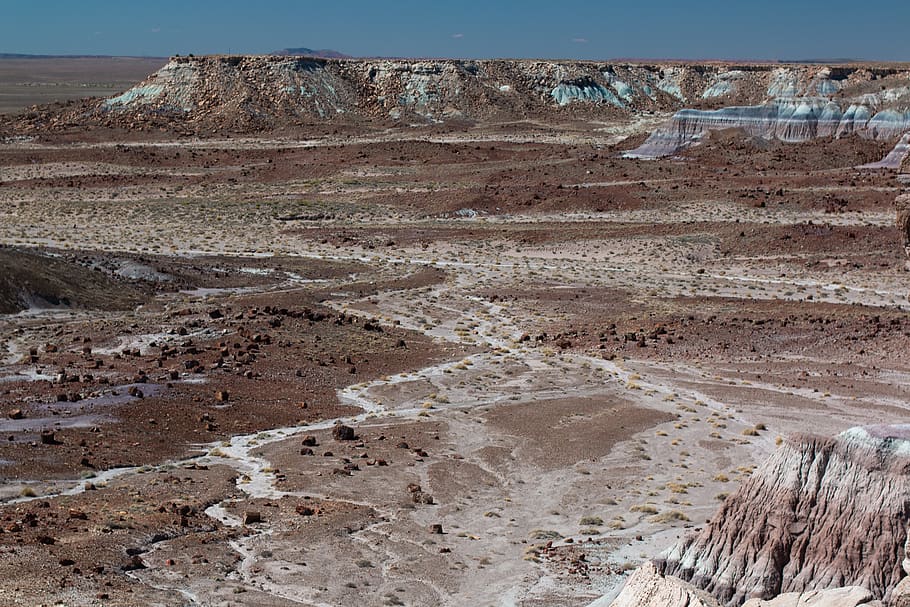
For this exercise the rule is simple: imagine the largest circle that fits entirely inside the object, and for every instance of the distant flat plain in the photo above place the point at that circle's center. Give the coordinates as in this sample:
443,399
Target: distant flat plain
38,80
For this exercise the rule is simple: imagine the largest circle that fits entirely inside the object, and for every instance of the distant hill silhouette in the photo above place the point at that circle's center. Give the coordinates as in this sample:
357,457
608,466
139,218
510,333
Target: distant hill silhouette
325,53
837,61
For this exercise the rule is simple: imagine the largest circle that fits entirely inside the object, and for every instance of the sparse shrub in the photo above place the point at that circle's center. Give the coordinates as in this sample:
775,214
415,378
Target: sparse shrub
545,534
669,517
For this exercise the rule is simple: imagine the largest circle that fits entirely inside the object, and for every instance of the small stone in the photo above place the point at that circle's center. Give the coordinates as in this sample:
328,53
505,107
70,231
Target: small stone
251,516
436,529
77,514
343,433
16,414
420,497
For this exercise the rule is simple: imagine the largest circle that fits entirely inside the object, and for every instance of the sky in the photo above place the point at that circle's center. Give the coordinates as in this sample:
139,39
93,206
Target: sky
558,29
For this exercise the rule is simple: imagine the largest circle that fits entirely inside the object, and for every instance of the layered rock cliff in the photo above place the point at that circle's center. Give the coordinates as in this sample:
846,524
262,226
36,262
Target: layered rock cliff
800,106
255,92
821,513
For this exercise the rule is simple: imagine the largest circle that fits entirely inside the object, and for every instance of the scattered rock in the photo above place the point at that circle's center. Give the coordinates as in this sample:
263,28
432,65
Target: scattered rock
134,564
343,433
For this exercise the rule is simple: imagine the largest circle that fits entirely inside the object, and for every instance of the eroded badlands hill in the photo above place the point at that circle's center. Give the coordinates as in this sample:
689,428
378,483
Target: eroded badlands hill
819,514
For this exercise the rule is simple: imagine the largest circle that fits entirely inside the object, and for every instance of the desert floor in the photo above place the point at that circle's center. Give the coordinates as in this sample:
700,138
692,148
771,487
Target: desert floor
554,361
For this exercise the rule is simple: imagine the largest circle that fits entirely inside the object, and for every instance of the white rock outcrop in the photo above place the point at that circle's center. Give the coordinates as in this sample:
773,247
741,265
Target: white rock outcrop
646,587
850,596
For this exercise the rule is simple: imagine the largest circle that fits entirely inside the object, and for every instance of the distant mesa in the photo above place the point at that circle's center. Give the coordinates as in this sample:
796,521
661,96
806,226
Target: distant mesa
301,86
833,61
325,53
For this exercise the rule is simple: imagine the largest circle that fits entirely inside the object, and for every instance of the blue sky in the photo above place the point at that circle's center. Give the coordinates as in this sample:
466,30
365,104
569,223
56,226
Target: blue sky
699,29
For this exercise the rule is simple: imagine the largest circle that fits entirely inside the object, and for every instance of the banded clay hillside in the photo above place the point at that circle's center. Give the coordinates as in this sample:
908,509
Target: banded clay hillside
299,331
824,521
